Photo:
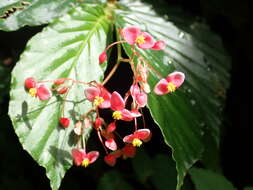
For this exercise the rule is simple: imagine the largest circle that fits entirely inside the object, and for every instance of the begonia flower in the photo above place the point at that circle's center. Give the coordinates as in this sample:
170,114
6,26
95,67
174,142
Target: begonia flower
133,35
80,158
30,83
170,84
136,138
111,144
139,97
99,96
118,106
64,122
159,45
128,151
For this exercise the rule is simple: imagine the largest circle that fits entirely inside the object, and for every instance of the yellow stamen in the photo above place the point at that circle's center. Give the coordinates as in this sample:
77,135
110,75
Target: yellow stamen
140,40
117,115
171,87
98,100
137,142
32,92
85,162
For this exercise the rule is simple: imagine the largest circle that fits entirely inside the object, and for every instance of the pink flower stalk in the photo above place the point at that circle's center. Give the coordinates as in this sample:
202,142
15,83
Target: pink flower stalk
64,122
137,136
139,97
118,106
133,35
111,144
102,57
159,45
99,96
170,84
81,158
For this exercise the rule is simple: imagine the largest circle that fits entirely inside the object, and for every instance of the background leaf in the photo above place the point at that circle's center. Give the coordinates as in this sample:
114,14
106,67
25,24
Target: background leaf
69,48
193,49
208,180
33,12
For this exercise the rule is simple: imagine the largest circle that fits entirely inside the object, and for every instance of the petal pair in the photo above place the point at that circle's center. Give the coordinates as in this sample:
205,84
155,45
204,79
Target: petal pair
81,158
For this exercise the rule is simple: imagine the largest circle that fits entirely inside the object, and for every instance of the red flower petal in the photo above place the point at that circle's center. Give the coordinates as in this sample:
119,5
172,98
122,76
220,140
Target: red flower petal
142,134
43,92
159,45
149,41
134,90
177,78
117,153
78,155
111,144
30,83
110,160
59,81
141,99
107,98
111,127
128,138
91,93
130,34
129,150
102,57
117,102
127,115
92,156
161,87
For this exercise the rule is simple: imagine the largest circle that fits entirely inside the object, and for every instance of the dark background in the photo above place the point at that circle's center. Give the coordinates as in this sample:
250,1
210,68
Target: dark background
231,20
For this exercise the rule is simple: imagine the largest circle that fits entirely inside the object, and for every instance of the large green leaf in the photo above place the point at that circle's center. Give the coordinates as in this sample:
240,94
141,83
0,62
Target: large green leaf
69,47
208,180
17,13
193,49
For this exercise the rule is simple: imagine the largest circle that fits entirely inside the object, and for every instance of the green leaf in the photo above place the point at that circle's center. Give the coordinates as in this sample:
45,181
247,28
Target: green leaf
18,13
113,180
193,49
67,48
248,188
208,180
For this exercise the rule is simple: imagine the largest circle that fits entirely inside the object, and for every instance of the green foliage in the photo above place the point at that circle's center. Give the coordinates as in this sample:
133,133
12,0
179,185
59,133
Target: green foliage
69,47
208,180
185,115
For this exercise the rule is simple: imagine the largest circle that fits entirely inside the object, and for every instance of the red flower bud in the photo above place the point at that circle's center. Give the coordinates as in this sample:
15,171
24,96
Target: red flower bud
111,127
64,122
102,57
110,160
30,83
59,81
129,151
98,122
62,90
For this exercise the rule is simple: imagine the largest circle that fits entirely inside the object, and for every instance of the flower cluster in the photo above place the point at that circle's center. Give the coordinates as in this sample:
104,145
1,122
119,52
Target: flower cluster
127,108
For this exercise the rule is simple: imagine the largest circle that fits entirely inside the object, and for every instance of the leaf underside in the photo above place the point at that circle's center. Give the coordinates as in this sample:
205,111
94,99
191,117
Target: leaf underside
67,48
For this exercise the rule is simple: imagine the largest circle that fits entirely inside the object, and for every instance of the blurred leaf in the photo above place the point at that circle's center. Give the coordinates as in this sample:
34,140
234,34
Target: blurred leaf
208,180
4,84
68,48
165,174
18,13
248,188
113,180
193,49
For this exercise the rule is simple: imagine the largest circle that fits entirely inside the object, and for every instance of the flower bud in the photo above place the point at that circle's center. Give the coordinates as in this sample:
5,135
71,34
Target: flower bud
30,83
102,57
59,81
64,122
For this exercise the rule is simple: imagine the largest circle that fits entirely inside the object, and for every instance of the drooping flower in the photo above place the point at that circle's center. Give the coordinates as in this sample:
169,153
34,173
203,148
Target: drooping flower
128,151
133,35
80,158
170,84
64,121
99,96
139,97
118,106
111,144
137,137
102,57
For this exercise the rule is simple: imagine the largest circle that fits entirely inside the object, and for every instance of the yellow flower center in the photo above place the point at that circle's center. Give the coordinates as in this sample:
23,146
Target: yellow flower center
85,162
140,40
98,100
32,92
137,142
117,115
171,87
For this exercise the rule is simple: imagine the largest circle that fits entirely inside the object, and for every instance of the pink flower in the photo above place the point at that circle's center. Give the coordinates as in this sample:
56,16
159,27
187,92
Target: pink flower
134,35
81,158
30,83
139,97
64,122
159,45
43,92
170,84
99,96
118,106
137,136
102,57
111,144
